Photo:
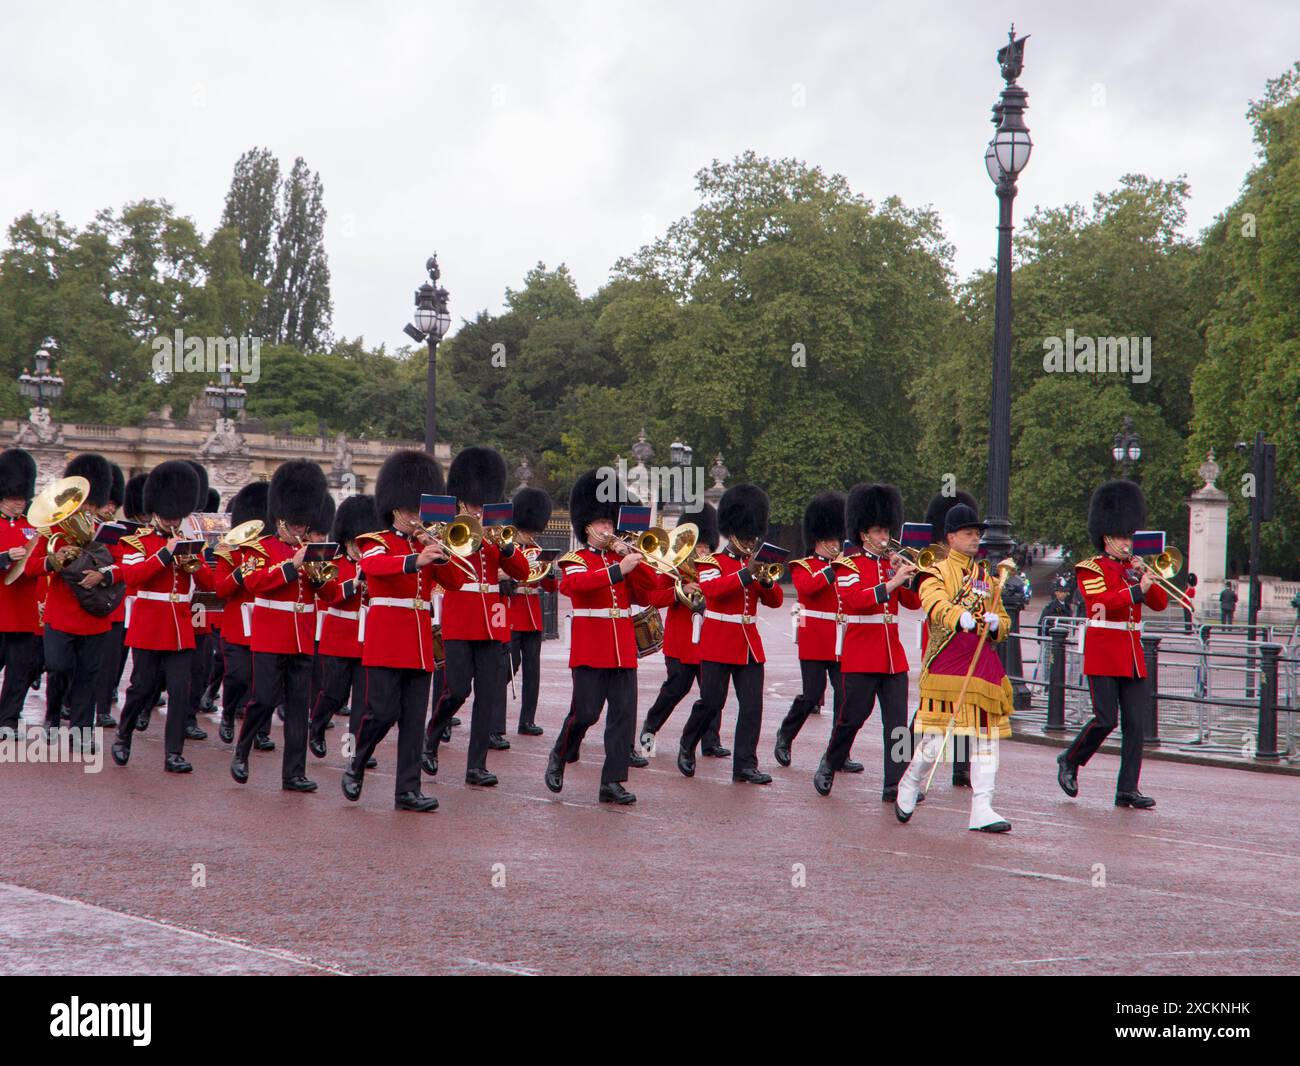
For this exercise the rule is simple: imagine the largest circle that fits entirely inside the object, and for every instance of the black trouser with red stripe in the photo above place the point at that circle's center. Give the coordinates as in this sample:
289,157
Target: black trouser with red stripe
392,695
748,681
480,664
150,670
860,694
526,650
815,673
73,665
278,678
681,676
593,686
1122,700
19,652
199,670
344,680
217,667
109,673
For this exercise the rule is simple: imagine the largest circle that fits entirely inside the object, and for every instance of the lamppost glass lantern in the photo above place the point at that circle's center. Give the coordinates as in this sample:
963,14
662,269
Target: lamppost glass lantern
1118,450
991,164
677,451
426,314
1012,146
1134,450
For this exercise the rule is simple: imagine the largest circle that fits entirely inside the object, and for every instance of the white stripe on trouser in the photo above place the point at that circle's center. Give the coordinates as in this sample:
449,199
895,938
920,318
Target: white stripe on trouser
983,776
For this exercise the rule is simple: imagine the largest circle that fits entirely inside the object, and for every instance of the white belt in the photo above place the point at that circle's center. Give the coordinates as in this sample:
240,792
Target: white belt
601,612
527,592
1101,623
415,603
351,616
166,597
471,586
743,619
285,605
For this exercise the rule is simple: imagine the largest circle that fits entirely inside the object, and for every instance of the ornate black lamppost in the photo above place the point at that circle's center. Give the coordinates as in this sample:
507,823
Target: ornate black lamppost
432,320
226,397
45,386
1127,449
1007,154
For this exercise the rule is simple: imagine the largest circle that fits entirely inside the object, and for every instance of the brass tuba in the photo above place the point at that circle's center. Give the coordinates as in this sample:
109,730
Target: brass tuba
59,507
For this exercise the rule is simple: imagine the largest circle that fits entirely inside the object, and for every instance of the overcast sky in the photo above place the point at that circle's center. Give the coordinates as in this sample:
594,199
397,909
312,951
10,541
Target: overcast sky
501,134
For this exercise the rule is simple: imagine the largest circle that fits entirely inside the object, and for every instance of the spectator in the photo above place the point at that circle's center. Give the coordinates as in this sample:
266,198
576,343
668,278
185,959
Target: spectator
1191,595
1228,602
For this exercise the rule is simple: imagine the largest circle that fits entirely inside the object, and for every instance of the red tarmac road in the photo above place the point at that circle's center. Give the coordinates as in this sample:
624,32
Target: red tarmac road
98,871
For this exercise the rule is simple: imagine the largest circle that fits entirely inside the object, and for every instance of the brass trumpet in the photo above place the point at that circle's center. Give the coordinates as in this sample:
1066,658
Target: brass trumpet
190,564
320,571
769,572
501,535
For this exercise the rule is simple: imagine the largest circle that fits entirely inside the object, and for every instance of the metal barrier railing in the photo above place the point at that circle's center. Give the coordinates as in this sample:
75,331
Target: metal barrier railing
1208,685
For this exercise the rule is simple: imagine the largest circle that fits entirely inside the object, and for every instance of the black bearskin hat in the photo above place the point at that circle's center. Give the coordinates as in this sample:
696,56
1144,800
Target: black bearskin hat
324,521
1117,509
171,489
403,479
117,492
17,474
707,521
874,505
249,503
532,509
823,519
742,513
585,504
477,475
133,504
95,469
214,502
356,515
202,500
937,512
295,495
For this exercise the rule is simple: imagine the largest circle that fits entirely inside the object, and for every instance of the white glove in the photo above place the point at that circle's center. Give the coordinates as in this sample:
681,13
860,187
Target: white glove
991,620
967,621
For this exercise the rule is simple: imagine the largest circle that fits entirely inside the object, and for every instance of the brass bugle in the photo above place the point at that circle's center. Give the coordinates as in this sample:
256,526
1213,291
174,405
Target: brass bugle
1162,568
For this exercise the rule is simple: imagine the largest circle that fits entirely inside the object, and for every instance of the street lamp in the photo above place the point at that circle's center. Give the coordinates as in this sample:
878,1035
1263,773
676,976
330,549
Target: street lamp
1004,159
227,396
44,386
1126,449
432,320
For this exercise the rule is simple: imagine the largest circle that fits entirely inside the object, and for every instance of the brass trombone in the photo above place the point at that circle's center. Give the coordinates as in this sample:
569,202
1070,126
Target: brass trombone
921,558
1163,567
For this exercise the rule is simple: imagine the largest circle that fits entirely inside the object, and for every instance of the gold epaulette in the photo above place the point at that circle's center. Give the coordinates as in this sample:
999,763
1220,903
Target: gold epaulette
699,559
805,563
1091,564
222,552
570,557
377,536
135,542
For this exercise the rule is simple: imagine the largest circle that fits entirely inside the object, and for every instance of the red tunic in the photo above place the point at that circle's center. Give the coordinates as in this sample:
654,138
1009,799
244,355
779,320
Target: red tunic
817,588
472,608
602,597
873,647
731,598
229,585
339,616
284,602
526,602
18,610
1112,643
398,622
63,611
161,613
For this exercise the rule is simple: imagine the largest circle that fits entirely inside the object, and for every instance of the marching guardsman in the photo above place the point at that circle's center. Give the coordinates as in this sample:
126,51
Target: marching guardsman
234,564
935,516
965,693
215,614
398,563
873,587
107,678
19,616
338,621
318,532
731,651
682,626
532,512
284,622
820,633
200,612
602,579
475,620
161,633
75,639
1113,594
